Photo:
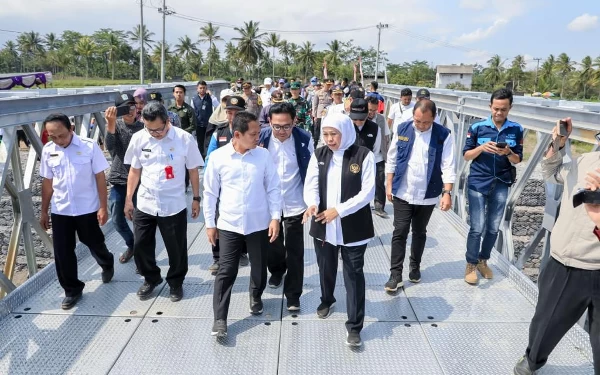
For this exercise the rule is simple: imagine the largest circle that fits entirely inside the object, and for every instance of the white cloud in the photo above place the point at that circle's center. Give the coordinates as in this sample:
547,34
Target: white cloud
473,4
584,22
481,33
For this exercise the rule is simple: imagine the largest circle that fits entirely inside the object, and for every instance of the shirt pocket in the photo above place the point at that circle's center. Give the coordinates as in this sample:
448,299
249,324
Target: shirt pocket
82,164
55,163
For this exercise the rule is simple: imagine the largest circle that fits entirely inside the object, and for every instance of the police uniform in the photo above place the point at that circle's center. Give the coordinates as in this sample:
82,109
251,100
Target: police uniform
253,103
160,200
75,203
302,107
321,100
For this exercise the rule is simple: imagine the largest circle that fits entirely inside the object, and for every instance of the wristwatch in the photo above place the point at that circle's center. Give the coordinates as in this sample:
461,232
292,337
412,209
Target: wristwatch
449,192
197,199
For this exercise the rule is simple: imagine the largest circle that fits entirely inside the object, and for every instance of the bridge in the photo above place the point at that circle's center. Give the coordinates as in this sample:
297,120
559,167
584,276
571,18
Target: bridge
439,326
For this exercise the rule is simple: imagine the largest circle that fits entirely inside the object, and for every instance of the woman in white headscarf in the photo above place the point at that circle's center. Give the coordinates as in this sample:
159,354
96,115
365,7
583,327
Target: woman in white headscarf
340,183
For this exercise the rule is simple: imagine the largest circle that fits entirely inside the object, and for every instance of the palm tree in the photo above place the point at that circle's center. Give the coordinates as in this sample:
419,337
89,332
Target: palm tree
273,40
208,34
134,37
493,73
186,47
587,71
516,70
10,48
86,48
51,41
110,42
307,57
250,47
30,44
564,66
547,70
230,54
213,56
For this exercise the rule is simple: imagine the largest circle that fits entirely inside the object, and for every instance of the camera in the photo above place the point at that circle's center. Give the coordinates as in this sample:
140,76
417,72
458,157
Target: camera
586,196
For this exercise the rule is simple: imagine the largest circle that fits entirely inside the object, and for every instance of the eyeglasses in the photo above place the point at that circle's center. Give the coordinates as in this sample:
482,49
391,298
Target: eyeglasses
282,127
157,131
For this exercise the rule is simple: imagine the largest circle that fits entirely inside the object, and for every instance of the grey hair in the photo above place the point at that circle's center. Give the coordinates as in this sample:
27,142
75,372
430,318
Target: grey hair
155,110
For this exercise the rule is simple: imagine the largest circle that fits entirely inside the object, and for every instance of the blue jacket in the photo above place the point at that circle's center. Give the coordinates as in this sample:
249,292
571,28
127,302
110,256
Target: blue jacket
405,141
301,141
487,168
377,95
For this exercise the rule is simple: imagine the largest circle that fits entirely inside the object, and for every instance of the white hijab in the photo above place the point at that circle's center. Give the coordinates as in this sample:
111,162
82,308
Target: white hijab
345,126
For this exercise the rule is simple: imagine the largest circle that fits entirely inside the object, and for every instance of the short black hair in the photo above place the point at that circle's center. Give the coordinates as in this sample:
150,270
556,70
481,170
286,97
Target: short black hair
372,100
345,79
426,105
285,107
180,87
155,110
375,84
406,92
501,94
58,117
241,121
203,83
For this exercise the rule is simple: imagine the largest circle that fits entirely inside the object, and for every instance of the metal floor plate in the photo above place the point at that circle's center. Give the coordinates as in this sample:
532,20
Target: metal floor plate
380,306
198,303
494,348
112,299
62,344
185,346
309,347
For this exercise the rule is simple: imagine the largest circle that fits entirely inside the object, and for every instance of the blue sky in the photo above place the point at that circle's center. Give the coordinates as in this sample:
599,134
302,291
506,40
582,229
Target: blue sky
480,28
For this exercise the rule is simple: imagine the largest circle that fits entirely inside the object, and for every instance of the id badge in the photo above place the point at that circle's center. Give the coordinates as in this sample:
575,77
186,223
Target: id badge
169,172
204,107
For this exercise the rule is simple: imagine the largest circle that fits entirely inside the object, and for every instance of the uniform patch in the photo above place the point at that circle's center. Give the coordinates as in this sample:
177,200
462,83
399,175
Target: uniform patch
469,135
403,139
354,168
234,101
222,139
124,97
370,135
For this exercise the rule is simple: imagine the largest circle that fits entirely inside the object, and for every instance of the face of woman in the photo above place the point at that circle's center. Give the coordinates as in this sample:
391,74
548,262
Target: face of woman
332,138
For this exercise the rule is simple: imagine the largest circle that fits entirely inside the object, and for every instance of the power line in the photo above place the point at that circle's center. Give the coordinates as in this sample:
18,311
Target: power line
11,31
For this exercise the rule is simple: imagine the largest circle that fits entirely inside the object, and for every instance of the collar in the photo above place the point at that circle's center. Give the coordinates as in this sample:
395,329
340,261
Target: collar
417,131
76,140
290,138
231,150
507,124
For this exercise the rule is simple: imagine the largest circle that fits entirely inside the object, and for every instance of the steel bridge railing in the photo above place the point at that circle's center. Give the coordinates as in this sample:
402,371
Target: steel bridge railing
459,109
26,110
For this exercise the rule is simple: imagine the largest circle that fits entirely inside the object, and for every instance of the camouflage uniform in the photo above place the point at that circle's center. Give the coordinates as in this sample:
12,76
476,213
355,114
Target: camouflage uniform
253,103
302,108
186,116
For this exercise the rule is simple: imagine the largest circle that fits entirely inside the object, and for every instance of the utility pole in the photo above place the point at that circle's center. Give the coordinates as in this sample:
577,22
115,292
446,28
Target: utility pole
141,42
536,74
165,12
380,26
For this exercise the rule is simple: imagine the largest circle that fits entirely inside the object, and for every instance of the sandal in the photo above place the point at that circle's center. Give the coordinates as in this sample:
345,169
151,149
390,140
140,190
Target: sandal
126,256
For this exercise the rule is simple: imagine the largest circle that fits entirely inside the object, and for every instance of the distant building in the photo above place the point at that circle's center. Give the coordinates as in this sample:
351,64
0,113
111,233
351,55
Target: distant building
448,74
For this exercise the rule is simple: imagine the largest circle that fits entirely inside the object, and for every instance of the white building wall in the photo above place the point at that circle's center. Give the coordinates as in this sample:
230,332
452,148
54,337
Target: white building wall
444,79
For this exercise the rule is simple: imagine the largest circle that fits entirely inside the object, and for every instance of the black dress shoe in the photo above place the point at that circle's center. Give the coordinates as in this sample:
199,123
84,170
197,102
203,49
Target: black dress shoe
108,274
70,301
146,289
256,306
176,293
275,281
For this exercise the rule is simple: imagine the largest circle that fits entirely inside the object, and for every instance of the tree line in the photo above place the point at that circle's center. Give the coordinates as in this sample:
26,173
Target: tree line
114,54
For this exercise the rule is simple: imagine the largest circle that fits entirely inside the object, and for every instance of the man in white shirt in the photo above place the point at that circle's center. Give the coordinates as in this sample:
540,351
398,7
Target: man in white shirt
241,178
401,111
291,148
265,93
159,155
419,168
73,179
380,158
340,183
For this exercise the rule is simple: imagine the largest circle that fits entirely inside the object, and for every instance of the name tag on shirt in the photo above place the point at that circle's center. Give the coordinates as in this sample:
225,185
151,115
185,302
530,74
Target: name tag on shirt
370,135
146,150
403,139
53,155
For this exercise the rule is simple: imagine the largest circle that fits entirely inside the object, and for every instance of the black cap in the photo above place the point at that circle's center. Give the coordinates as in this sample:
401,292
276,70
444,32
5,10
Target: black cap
423,93
357,93
235,102
155,96
124,99
359,109
329,80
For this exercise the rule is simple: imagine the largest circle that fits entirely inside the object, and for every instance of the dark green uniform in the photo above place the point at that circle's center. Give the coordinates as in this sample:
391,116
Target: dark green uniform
302,112
186,116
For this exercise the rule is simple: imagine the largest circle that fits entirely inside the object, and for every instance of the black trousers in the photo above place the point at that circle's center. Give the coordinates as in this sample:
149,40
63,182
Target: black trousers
317,131
173,230
231,244
564,295
380,184
200,133
287,253
354,279
63,235
405,216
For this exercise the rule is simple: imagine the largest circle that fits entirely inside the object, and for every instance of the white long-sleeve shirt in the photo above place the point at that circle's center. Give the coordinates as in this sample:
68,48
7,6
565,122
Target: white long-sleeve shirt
290,181
246,187
333,229
414,182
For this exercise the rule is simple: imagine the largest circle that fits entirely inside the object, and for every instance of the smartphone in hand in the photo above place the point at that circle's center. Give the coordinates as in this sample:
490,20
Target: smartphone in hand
562,129
501,144
122,111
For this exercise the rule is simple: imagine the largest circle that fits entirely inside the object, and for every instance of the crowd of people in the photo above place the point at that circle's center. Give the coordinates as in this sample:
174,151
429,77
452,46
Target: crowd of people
276,157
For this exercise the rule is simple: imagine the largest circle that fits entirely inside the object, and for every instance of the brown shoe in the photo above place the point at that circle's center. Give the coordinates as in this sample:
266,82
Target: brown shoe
471,274
484,269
